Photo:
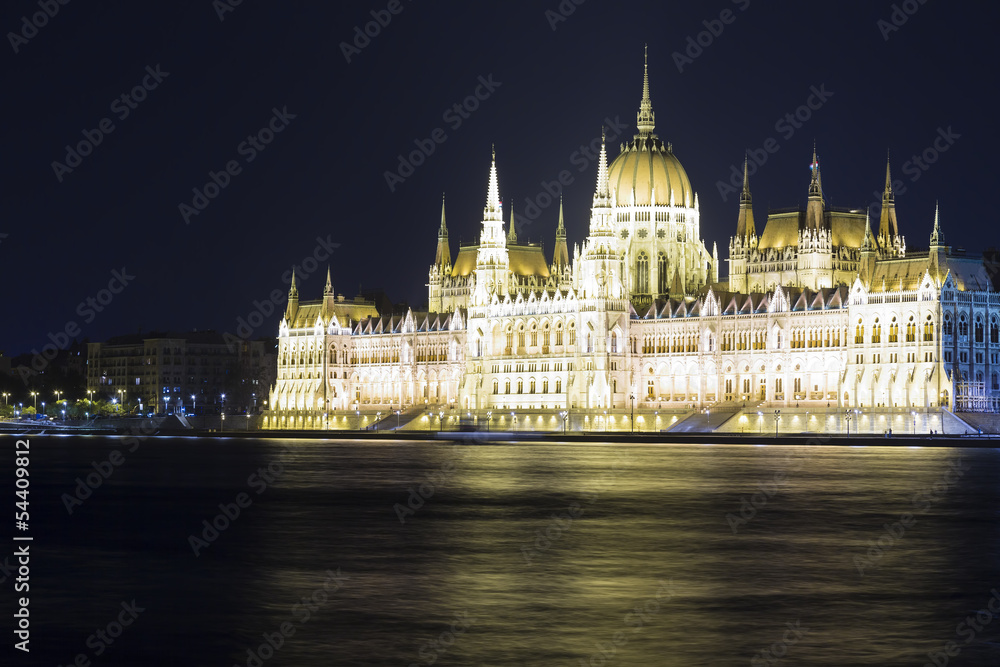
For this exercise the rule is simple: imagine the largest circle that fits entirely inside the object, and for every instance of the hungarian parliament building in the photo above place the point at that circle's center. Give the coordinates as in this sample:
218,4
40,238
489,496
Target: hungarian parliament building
822,307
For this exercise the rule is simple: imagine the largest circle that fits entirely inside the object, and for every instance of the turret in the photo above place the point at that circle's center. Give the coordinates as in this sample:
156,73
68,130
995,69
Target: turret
512,232
293,301
745,229
814,207
561,256
888,229
869,253
442,259
645,120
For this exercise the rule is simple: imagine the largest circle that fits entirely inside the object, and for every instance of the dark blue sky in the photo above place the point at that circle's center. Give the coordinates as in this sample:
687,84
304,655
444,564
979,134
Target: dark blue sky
323,175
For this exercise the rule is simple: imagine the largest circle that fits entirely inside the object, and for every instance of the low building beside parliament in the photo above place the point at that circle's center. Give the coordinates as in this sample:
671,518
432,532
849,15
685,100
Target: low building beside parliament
823,307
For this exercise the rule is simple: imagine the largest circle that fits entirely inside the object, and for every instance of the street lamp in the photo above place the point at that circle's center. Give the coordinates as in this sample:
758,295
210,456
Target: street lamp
760,420
565,417
632,398
57,393
34,395
848,417
914,422
513,421
5,395
166,405
777,418
194,402
489,419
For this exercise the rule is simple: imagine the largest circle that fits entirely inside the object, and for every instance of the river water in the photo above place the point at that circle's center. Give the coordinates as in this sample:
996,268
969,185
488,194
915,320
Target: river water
419,553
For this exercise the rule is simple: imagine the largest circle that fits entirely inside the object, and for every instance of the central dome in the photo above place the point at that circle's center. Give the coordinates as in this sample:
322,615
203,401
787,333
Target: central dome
650,169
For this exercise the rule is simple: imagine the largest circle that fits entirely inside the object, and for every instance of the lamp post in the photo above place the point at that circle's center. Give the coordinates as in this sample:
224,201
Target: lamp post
848,417
397,419
194,403
57,393
166,405
632,398
222,427
565,417
513,421
777,418
914,422
489,419
5,395
34,395
760,420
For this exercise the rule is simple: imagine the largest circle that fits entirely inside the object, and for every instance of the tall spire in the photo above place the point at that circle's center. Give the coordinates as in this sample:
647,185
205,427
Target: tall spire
493,192
293,290
816,185
512,232
328,289
937,237
443,256
561,255
888,228
645,119
814,207
602,196
293,300
745,227
869,242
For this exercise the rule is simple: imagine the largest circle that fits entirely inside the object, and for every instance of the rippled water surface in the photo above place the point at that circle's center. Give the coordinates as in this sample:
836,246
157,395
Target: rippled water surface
514,554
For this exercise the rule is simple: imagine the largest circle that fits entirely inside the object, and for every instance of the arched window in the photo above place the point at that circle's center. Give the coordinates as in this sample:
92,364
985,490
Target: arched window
614,342
663,286
507,387
948,326
496,386
963,325
642,273
558,386
929,330
994,331
545,386
531,386
859,333
979,329
995,381
520,386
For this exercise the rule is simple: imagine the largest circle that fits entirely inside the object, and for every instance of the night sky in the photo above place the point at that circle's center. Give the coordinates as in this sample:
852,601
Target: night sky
213,81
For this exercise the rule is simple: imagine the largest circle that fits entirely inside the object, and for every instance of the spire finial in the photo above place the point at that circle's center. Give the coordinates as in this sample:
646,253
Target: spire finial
561,229
293,290
645,119
493,191
888,176
816,184
444,226
512,232
329,283
745,196
937,238
602,192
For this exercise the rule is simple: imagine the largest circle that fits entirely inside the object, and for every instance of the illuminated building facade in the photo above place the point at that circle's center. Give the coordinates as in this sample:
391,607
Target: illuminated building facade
818,309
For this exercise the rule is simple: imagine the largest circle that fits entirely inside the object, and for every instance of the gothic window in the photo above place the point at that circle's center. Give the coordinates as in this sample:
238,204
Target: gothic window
877,332
520,386
859,334
572,335
496,387
661,273
996,381
642,233
994,331
558,386
642,274
949,328
893,331
507,387
545,386
979,329
929,329
531,386
624,233
614,342
661,233
534,336
963,325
